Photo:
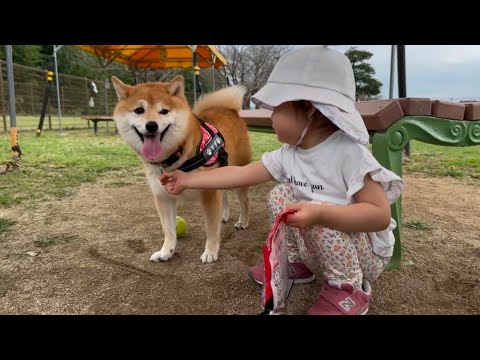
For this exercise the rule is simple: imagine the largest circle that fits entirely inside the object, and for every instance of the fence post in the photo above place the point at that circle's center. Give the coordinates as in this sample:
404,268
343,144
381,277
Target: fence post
106,86
46,97
87,95
31,98
2,99
62,95
49,116
15,149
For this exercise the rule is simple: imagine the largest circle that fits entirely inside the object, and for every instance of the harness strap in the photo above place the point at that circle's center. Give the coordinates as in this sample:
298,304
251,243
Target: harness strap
216,144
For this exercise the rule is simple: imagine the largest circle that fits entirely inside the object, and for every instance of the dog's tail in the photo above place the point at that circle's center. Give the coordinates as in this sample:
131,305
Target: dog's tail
229,97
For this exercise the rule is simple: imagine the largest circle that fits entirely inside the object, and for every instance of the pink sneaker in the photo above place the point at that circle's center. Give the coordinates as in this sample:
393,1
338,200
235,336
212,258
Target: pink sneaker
342,299
298,272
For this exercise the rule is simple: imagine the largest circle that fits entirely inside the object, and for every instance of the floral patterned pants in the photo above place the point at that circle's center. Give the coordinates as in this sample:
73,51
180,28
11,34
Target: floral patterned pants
338,256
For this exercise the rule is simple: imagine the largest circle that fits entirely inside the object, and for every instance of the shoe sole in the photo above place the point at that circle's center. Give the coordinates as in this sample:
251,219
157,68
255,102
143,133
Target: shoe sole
297,281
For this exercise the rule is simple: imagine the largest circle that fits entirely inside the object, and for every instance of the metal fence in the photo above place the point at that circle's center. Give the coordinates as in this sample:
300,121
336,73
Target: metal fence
77,97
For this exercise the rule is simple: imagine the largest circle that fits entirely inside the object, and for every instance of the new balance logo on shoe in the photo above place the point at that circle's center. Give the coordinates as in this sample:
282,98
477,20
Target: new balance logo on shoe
347,304
343,299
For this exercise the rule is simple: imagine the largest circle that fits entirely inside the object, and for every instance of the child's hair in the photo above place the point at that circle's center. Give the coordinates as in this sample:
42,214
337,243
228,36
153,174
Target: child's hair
300,106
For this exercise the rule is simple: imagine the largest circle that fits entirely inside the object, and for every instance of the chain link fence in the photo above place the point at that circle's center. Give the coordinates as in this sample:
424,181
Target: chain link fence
77,98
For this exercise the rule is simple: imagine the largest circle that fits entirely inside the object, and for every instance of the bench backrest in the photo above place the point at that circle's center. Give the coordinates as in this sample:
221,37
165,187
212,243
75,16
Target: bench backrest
380,114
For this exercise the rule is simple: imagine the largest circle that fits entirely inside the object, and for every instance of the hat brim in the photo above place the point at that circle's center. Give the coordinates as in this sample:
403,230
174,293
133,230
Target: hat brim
351,124
273,94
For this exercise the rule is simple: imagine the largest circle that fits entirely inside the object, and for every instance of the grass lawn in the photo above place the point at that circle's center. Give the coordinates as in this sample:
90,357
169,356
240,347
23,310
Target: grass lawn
68,123
434,160
54,166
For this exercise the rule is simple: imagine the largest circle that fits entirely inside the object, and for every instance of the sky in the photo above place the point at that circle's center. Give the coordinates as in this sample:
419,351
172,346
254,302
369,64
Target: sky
447,72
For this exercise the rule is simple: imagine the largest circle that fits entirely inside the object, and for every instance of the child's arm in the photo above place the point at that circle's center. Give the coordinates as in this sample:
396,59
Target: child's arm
228,177
370,213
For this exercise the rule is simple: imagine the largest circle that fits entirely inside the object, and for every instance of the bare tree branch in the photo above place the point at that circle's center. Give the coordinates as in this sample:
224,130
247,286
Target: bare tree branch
250,65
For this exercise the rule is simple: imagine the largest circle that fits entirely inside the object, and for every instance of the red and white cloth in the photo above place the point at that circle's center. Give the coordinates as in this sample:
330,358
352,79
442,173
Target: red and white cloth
276,285
206,137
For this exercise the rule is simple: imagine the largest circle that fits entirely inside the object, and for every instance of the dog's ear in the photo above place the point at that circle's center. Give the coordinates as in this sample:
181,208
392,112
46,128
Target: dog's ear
120,88
176,86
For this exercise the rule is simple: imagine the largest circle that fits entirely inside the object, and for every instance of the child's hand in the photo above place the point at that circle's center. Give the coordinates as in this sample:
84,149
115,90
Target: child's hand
173,182
306,214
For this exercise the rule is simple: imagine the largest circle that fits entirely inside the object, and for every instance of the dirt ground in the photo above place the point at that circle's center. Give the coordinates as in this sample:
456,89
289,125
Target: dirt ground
93,248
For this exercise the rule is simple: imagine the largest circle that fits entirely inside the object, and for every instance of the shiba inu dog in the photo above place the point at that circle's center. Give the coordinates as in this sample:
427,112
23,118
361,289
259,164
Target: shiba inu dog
157,122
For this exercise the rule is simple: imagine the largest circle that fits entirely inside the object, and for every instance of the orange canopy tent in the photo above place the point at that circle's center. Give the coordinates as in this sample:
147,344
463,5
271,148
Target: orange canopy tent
162,56
159,56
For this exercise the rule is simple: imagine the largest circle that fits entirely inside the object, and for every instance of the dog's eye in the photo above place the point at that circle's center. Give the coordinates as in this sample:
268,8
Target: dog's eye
164,112
139,111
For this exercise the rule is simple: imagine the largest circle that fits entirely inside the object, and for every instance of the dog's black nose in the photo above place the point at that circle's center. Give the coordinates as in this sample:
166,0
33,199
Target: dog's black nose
151,126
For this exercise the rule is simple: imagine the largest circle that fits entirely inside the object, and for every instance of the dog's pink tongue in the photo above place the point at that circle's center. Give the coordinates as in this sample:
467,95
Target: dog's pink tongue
151,148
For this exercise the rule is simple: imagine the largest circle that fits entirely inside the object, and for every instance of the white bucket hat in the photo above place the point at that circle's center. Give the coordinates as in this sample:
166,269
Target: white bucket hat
322,76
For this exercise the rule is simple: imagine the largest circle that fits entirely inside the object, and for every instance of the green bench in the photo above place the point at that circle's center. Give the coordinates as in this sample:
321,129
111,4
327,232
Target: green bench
392,124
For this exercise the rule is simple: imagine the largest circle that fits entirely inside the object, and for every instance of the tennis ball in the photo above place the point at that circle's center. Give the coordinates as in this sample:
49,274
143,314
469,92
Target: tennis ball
181,227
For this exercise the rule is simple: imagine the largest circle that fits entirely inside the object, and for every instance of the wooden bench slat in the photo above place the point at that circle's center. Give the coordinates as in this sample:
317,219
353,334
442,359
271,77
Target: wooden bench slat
472,111
379,114
448,110
416,106
257,117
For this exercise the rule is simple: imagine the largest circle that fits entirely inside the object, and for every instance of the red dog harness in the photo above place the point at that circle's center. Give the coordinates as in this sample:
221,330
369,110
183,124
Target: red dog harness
210,150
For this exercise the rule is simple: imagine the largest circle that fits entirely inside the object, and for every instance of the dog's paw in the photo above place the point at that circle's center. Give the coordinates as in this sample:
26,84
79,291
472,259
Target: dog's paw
240,226
225,216
209,256
162,255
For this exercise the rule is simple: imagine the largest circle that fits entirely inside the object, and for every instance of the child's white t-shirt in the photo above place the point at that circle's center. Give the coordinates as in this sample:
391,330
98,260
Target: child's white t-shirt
333,171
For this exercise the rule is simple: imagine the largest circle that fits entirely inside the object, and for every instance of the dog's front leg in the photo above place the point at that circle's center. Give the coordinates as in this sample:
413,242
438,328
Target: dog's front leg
211,202
167,211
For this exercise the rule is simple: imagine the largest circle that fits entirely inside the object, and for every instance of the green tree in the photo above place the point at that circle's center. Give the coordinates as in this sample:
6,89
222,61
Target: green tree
367,87
28,55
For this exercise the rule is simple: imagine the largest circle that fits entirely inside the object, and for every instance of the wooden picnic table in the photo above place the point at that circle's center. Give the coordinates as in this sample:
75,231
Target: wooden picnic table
96,119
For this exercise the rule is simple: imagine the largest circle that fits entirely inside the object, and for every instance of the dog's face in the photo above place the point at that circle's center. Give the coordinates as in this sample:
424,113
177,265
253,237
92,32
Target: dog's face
152,117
